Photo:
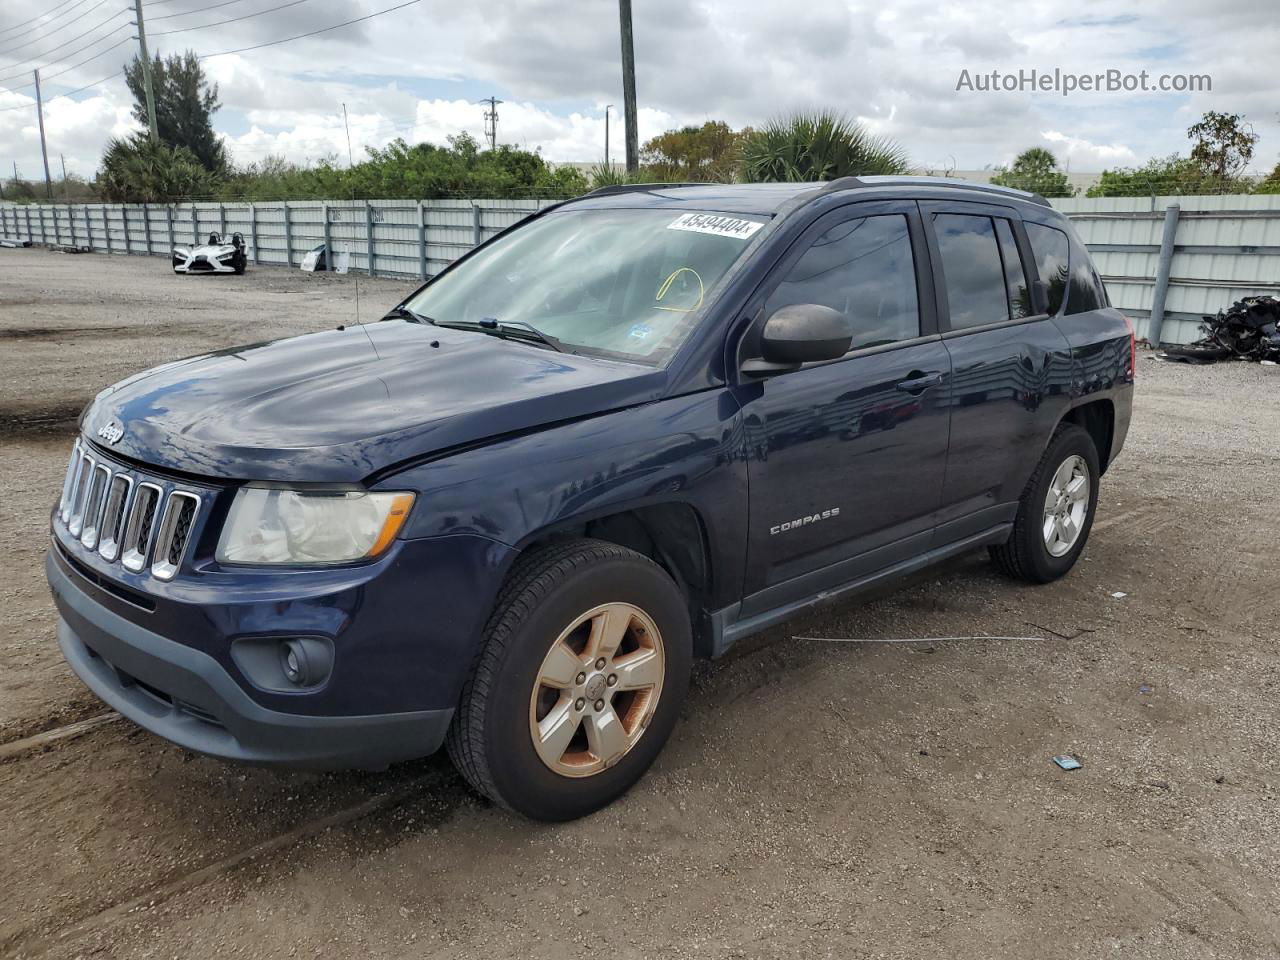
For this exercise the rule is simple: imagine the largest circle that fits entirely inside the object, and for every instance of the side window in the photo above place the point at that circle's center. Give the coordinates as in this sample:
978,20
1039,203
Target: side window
972,269
1015,275
1082,291
1050,248
864,269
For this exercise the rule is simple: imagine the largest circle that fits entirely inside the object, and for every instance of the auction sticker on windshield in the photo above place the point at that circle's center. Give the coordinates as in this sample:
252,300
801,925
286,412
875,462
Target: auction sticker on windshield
716,224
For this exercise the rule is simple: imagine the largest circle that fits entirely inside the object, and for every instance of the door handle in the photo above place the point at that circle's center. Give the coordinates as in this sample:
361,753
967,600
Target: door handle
918,381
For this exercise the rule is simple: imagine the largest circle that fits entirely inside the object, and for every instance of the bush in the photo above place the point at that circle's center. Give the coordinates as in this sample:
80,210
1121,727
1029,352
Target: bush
420,172
1172,176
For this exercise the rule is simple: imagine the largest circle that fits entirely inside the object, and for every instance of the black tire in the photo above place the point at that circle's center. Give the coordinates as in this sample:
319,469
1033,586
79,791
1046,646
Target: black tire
490,740
1025,555
1198,353
241,263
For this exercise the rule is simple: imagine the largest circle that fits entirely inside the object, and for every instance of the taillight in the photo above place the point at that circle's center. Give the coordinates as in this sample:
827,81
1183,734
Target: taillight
1133,346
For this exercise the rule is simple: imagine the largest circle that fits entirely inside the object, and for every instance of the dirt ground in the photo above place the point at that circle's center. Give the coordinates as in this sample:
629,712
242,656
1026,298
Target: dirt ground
818,799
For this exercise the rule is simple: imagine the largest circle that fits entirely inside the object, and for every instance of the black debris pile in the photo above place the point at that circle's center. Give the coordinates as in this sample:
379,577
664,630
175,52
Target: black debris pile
1248,330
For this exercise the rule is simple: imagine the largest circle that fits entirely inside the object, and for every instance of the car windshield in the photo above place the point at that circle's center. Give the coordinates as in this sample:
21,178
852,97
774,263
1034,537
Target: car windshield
619,282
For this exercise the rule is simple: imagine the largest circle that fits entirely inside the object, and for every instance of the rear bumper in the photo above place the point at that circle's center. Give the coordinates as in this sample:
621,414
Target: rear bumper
189,698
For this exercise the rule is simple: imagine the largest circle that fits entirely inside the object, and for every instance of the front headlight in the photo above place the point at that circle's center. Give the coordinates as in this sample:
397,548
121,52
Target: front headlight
273,525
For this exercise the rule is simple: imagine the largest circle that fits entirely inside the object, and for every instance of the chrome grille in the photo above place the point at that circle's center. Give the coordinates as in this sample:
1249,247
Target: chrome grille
175,532
69,484
96,489
142,520
113,515
81,487
125,516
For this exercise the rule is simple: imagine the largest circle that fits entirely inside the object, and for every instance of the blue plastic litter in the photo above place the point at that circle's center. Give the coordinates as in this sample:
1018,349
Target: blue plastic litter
1067,762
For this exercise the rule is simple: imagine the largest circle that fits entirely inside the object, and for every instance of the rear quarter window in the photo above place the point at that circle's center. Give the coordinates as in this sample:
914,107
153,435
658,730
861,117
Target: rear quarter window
1050,246
1084,289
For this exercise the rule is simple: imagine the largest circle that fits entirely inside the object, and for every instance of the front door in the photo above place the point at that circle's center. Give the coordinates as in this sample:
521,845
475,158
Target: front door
846,457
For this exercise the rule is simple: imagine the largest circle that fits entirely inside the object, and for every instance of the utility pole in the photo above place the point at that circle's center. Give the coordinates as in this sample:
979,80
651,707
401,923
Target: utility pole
44,150
490,120
607,164
146,74
66,189
629,86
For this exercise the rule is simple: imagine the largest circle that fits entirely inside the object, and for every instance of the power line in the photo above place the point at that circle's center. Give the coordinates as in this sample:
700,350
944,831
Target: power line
207,56
87,59
37,17
302,36
69,93
187,13
247,16
41,56
28,43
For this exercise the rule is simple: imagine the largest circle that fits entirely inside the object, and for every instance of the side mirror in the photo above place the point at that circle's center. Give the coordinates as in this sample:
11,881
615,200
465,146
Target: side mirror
798,334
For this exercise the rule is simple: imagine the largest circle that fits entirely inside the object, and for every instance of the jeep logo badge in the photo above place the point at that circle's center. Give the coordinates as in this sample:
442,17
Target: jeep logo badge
111,431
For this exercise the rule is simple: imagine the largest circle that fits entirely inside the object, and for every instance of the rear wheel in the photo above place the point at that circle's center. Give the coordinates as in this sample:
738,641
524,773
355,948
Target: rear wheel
579,684
1056,511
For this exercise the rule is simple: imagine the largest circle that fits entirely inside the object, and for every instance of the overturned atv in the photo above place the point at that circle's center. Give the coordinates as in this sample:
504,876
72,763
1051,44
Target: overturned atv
1248,330
216,256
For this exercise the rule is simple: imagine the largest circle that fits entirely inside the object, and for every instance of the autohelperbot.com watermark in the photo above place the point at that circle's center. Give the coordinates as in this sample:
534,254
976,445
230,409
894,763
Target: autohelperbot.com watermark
1064,82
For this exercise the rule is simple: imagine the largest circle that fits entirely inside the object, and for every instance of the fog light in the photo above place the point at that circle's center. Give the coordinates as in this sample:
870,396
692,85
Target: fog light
294,660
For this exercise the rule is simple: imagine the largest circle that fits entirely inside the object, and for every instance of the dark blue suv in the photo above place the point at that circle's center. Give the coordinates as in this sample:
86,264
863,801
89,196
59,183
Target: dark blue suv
629,431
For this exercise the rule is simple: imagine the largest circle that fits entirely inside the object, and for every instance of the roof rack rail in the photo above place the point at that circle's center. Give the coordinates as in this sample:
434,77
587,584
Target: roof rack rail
849,183
644,187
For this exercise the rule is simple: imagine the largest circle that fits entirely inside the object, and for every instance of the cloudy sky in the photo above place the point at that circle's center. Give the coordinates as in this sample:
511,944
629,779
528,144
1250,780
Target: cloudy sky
417,72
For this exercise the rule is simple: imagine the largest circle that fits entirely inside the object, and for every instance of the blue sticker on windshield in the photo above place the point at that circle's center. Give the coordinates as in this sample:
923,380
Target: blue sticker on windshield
640,332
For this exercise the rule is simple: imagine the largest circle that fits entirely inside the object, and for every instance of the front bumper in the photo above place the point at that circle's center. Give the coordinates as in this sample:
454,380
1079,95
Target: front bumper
201,264
184,695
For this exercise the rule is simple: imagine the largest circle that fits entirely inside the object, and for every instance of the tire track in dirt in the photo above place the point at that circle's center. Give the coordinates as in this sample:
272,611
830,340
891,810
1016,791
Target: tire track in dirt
28,944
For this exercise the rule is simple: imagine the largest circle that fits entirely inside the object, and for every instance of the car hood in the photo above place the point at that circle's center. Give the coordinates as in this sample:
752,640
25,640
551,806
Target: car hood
344,404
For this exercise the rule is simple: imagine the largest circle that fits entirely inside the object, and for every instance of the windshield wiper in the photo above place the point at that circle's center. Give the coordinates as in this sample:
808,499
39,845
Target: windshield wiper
514,329
404,313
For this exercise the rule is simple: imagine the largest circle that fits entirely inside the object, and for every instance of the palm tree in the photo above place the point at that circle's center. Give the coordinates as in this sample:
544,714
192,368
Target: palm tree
820,145
140,171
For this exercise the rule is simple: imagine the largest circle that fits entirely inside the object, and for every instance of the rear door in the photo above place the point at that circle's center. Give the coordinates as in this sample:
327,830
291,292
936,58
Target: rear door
846,456
1011,366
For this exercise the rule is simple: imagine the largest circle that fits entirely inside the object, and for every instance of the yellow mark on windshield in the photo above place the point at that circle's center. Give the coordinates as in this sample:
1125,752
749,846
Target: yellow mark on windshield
662,291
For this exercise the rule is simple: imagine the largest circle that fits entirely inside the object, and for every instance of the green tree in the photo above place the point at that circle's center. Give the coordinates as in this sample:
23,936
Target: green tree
1035,169
137,170
185,104
817,146
707,153
1222,144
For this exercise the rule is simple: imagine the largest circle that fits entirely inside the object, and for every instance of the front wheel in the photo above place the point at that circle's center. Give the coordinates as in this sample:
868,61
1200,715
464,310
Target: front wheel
1056,511
580,682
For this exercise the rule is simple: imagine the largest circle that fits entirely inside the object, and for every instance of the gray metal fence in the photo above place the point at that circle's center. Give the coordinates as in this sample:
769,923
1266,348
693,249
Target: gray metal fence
398,238
1215,249
1180,264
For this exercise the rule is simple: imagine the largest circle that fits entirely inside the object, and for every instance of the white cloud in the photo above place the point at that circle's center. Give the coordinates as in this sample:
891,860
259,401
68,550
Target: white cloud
1079,154
892,62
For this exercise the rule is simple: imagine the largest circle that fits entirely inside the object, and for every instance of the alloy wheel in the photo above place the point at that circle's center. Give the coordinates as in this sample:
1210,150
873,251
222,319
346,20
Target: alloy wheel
597,690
